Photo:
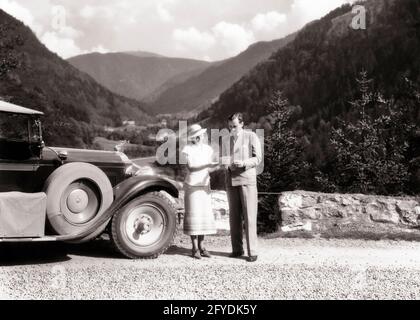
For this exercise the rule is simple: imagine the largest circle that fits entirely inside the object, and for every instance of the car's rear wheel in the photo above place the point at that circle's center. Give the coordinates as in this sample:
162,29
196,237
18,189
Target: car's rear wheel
77,196
145,227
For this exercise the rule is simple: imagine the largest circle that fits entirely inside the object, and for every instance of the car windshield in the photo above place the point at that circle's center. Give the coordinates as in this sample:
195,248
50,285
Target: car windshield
14,127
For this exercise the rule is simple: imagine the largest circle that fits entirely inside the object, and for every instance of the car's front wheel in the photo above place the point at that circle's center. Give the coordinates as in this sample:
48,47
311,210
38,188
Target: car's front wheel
145,227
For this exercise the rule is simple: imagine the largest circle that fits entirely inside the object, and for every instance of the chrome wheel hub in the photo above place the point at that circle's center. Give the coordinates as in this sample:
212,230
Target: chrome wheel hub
144,225
80,202
77,201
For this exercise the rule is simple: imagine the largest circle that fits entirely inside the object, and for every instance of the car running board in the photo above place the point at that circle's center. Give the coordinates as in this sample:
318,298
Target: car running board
41,239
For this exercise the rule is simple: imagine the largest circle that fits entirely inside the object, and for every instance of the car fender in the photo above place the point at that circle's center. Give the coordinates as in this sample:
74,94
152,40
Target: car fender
134,186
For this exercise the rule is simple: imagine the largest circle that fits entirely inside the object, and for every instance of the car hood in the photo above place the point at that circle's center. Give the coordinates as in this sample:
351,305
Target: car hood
89,156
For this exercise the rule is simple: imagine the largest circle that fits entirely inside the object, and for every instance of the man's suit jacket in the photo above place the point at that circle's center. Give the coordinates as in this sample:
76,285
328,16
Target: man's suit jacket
247,148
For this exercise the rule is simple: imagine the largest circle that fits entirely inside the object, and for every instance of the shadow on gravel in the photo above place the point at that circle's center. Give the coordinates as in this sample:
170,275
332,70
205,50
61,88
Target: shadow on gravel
180,251
95,249
37,253
15,254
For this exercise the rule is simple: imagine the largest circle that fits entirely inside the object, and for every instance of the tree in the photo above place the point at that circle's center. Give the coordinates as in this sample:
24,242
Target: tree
284,167
284,164
371,152
9,54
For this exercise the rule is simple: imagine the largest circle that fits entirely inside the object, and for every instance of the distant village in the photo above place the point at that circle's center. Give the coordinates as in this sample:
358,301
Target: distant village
130,126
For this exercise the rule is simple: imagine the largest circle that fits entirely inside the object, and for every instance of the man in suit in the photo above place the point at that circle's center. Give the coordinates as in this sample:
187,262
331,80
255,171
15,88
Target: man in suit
245,154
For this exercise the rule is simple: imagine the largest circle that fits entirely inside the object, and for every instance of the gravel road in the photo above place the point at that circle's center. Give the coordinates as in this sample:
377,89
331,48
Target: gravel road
286,269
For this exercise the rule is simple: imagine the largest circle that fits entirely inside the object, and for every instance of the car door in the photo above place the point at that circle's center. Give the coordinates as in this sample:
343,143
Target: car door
18,161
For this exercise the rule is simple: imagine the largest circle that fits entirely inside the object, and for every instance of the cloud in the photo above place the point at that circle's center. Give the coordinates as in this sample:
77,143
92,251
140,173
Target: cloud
206,58
64,47
164,13
193,39
188,28
60,38
100,49
308,10
269,21
21,13
233,37
89,12
69,32
275,25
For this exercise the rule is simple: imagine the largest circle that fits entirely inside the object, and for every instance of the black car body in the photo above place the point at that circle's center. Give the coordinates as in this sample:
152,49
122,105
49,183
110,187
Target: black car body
103,191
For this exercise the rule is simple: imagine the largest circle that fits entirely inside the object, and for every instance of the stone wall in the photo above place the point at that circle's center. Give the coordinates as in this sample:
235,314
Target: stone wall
336,215
319,213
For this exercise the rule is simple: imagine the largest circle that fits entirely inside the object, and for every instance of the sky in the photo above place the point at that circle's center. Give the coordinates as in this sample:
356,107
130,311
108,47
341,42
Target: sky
197,29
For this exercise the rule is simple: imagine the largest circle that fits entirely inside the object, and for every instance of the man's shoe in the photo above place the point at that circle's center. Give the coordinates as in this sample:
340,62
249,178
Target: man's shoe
236,254
252,258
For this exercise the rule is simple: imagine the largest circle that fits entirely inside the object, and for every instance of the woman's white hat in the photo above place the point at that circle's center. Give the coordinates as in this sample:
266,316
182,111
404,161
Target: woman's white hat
195,131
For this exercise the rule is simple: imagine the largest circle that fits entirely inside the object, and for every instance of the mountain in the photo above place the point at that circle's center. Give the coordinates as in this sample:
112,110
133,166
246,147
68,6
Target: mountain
318,69
172,82
136,74
75,104
340,107
144,54
199,91
323,73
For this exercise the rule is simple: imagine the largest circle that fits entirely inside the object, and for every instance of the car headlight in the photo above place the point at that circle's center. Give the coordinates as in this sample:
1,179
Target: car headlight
145,171
131,170
124,157
135,170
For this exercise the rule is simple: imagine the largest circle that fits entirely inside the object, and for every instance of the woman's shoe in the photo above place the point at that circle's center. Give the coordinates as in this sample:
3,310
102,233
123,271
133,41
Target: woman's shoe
204,253
196,254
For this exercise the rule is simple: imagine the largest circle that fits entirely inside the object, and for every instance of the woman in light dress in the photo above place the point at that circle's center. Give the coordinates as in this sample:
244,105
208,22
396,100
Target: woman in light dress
199,218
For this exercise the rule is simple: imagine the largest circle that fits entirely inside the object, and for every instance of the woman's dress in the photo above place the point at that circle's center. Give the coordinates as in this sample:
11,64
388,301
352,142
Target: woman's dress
199,218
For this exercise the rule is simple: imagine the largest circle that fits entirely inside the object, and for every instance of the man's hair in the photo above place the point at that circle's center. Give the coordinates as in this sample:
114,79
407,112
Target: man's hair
238,116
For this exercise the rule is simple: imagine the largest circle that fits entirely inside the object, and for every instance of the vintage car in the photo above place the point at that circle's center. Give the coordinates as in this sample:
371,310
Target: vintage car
74,195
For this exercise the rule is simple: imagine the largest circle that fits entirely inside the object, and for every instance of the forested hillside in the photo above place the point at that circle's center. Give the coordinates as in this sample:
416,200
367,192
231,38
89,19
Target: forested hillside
318,76
317,70
200,90
135,75
76,106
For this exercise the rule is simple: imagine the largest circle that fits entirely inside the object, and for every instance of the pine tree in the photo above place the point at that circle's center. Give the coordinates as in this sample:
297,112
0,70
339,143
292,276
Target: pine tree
284,167
284,163
371,152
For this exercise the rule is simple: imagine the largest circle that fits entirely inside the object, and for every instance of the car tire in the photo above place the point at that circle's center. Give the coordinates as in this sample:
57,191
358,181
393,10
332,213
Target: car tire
77,196
145,227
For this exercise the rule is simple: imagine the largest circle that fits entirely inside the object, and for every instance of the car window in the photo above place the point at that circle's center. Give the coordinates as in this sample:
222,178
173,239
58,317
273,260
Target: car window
13,127
35,133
